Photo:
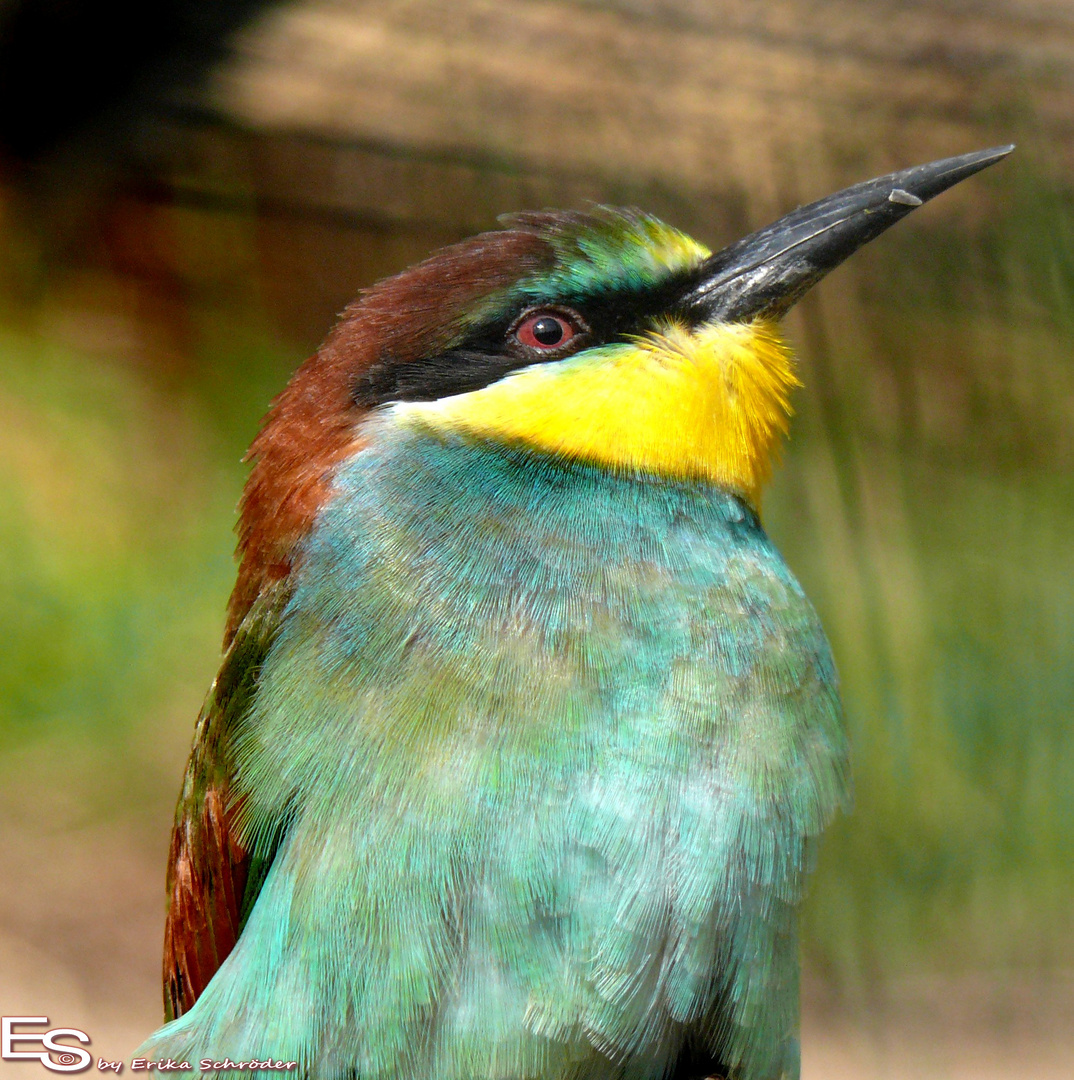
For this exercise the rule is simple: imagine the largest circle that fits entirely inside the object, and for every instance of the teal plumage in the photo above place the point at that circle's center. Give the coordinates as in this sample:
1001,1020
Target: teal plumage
524,733
547,786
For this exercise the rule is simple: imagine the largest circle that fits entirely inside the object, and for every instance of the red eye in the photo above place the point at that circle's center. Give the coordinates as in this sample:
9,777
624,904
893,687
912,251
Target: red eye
546,330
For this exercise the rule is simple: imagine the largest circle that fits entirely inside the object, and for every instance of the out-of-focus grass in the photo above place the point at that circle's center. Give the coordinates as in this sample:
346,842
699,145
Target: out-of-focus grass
926,501
117,495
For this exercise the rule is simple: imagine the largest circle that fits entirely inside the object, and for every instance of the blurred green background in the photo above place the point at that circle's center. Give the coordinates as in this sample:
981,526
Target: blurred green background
188,195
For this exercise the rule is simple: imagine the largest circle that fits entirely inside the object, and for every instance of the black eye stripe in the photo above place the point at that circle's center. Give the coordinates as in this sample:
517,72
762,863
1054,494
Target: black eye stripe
491,352
458,371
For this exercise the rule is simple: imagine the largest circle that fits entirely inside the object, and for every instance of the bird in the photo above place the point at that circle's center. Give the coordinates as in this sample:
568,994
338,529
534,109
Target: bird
524,734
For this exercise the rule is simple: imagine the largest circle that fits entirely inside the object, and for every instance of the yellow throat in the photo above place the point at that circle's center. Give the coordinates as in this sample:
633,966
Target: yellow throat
711,403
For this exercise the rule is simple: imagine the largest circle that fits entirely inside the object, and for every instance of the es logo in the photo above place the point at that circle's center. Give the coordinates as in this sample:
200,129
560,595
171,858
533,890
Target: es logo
56,1056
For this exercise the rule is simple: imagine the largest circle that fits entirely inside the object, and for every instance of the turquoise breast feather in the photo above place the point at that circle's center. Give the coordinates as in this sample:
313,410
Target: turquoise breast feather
544,789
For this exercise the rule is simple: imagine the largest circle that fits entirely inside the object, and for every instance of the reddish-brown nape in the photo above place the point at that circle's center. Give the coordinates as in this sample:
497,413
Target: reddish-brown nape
313,424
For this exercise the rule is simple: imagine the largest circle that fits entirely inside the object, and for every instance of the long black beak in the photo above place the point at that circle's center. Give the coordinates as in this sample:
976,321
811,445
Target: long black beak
766,272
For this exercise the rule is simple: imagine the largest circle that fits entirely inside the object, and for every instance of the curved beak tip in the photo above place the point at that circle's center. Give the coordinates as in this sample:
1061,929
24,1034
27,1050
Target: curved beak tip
764,273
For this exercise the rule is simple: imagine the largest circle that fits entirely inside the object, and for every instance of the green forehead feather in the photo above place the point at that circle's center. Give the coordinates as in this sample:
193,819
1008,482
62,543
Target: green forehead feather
605,250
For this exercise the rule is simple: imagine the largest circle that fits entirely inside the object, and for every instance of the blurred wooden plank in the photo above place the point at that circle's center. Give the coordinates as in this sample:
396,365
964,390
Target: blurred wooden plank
203,157
688,92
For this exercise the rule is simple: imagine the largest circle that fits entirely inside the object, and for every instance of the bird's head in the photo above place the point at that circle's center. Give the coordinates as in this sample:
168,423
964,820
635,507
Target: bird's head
606,337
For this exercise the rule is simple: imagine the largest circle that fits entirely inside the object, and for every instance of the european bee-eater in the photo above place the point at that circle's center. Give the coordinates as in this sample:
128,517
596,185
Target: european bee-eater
524,733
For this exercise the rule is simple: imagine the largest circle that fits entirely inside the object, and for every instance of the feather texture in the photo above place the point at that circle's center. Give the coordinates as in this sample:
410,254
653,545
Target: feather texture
538,755
209,884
